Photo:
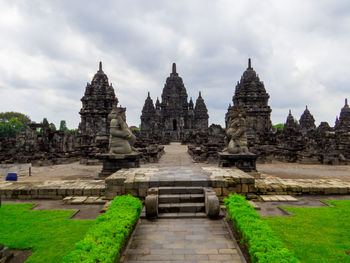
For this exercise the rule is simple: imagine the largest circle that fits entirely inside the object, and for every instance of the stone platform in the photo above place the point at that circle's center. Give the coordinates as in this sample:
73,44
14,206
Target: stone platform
51,189
137,181
278,186
244,162
115,162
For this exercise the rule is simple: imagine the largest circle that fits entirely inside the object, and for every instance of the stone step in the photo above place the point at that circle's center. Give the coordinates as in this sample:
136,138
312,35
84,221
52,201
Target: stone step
188,183
168,190
181,198
181,208
182,215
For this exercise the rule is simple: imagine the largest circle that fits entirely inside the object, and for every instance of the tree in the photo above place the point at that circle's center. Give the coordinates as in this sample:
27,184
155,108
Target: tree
11,128
7,116
279,126
63,125
53,127
45,121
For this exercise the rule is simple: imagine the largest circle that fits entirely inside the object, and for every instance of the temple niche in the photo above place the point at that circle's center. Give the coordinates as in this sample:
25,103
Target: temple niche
98,101
174,118
251,94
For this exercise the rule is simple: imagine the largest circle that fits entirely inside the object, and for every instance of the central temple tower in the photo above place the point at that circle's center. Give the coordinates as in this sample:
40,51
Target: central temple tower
174,116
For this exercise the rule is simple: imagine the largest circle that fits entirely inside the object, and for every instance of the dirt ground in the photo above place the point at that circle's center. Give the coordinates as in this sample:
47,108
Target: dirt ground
176,155
72,171
272,209
305,171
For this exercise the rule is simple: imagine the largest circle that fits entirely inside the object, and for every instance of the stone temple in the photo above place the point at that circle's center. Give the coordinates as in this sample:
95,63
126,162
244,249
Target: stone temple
251,94
174,118
98,101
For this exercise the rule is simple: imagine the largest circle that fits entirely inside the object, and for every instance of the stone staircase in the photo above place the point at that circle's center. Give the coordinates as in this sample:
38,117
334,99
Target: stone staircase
179,202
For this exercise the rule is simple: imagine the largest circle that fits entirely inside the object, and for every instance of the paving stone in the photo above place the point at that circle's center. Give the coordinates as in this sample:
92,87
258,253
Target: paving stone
91,200
256,207
181,240
78,200
278,198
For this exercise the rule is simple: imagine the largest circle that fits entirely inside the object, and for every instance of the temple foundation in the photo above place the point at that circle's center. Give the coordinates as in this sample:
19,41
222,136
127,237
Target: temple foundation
114,162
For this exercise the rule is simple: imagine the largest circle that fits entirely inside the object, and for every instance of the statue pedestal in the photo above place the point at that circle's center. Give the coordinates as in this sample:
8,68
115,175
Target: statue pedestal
115,162
244,162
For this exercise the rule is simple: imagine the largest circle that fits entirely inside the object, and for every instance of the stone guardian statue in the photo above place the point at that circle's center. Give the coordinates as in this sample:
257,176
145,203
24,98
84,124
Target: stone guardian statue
236,131
121,138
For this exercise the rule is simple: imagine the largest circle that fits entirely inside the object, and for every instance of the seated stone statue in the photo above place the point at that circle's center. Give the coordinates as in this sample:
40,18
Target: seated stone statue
121,139
236,131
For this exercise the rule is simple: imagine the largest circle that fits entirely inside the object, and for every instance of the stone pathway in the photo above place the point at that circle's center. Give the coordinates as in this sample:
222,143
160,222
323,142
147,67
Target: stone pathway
182,240
175,155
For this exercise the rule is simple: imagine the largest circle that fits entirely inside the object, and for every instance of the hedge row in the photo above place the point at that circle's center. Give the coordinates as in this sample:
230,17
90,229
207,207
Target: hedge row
105,239
263,245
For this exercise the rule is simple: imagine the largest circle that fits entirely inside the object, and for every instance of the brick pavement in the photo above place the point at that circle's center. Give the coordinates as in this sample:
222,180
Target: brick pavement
182,240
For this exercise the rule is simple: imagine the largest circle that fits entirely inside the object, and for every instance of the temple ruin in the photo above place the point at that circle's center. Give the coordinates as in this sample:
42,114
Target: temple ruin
174,118
97,102
251,94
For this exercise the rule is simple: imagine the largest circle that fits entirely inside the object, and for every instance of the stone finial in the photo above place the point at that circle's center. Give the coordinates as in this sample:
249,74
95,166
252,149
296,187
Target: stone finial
306,107
249,63
174,68
200,95
290,112
148,95
346,102
100,67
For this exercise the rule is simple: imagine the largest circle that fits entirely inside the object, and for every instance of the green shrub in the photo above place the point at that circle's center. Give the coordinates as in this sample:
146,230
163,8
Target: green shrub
104,241
263,245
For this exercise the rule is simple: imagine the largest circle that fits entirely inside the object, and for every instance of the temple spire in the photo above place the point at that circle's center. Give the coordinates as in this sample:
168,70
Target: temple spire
148,95
200,95
346,102
100,67
174,68
249,63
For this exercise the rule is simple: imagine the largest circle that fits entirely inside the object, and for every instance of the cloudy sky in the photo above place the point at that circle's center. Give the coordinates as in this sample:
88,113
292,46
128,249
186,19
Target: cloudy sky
49,50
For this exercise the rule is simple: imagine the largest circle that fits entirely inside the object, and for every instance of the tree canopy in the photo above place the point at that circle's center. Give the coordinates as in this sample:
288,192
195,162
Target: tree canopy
7,116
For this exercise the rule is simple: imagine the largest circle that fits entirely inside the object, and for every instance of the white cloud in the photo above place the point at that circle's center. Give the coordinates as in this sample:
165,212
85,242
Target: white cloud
49,50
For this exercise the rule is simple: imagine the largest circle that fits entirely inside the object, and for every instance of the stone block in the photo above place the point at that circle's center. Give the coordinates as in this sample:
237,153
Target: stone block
252,188
133,192
78,200
218,191
87,191
78,191
245,188
143,192
229,190
91,200
129,184
151,203
61,191
153,190
212,204
95,192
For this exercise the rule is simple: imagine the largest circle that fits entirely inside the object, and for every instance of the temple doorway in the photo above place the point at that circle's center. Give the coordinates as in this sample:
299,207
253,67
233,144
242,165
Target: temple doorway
174,125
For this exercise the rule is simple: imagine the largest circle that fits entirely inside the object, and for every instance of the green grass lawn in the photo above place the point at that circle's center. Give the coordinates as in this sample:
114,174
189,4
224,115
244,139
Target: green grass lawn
316,234
49,233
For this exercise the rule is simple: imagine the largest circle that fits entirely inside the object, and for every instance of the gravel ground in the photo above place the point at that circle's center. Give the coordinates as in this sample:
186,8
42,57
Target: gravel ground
305,171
